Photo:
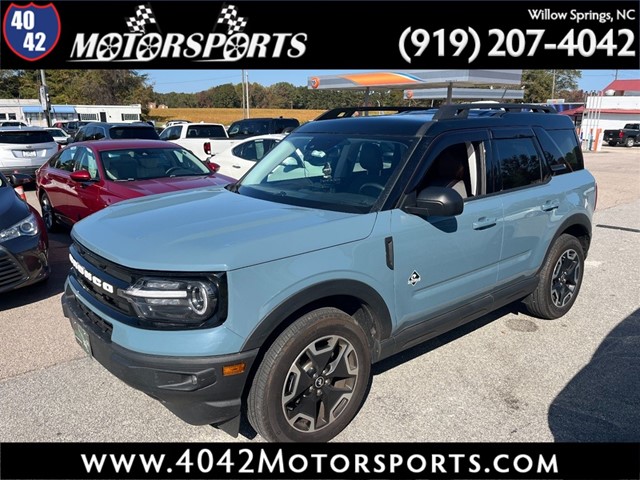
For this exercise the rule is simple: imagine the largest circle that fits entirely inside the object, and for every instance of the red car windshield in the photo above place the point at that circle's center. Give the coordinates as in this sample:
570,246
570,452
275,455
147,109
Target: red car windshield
145,163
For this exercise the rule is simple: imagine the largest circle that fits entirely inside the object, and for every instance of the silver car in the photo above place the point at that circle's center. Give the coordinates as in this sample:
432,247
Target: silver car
25,149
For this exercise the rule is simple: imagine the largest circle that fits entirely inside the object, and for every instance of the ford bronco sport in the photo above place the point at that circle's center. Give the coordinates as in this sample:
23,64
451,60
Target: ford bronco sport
352,240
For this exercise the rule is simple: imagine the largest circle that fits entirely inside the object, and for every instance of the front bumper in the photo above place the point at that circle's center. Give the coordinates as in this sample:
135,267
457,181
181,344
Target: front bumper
193,388
31,171
23,261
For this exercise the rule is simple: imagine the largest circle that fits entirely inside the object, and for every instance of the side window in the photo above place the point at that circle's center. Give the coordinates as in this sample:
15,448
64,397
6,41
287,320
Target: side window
520,164
254,150
55,160
460,166
89,133
171,133
80,135
85,160
98,133
66,159
567,142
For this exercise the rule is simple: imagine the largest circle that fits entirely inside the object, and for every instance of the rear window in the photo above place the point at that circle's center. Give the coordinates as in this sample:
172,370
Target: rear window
206,131
249,127
133,132
25,138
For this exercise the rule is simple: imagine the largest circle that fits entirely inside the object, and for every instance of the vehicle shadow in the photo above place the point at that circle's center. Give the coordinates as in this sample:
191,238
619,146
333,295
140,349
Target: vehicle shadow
459,332
59,264
602,401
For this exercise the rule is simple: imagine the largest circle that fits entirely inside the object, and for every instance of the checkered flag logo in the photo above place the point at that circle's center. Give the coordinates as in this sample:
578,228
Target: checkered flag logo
229,16
144,16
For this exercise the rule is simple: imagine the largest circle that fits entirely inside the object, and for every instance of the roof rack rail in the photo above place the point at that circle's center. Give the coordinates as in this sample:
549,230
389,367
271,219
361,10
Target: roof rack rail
346,112
461,110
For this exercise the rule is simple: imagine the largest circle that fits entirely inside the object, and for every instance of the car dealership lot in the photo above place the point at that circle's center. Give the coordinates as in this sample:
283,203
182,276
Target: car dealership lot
505,377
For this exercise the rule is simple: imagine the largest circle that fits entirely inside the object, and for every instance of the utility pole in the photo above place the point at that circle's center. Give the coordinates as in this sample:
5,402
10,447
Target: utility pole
244,107
246,94
553,85
44,98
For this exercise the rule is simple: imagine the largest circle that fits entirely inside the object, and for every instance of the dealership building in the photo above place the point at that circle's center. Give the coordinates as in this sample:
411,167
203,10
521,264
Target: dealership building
31,112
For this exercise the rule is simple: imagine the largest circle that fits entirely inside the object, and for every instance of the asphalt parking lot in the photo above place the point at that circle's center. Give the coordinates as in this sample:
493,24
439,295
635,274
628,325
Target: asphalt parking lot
506,377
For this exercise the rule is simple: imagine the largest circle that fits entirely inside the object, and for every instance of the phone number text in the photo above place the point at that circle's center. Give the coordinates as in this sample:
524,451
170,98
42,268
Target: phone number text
514,43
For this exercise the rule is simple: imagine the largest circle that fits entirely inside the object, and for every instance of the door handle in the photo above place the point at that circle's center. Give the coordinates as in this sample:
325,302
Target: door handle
550,205
484,222
237,166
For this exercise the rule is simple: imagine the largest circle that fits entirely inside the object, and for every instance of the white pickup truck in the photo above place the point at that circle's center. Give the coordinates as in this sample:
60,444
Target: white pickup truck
203,139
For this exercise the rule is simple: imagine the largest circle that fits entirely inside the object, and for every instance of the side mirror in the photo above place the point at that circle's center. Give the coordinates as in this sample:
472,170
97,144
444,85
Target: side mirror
81,176
213,166
435,202
18,179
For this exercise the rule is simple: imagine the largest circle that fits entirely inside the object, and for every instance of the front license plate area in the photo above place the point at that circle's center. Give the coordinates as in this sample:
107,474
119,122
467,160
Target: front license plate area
82,337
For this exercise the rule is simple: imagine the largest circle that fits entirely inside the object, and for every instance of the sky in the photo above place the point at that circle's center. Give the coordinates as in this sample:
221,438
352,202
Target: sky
190,81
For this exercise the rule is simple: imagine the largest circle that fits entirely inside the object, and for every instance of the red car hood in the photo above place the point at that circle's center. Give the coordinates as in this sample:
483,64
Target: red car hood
139,188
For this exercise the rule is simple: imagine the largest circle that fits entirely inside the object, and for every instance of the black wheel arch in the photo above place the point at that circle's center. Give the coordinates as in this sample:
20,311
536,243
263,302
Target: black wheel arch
355,298
577,225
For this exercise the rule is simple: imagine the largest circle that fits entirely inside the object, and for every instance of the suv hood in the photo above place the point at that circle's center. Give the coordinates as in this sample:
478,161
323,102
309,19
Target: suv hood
212,229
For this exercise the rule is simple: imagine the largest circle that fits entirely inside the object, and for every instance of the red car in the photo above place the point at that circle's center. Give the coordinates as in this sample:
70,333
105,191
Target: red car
86,177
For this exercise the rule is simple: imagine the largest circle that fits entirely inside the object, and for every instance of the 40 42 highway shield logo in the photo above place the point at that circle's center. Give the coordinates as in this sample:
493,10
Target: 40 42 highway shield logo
31,31
230,44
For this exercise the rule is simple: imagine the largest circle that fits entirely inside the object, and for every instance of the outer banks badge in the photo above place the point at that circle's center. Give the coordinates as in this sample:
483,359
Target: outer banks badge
31,31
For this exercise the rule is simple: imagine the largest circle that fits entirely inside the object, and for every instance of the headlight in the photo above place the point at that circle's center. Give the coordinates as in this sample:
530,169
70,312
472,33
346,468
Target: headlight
27,227
181,301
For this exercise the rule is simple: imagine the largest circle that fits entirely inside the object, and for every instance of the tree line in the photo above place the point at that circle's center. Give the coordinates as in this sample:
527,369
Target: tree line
107,87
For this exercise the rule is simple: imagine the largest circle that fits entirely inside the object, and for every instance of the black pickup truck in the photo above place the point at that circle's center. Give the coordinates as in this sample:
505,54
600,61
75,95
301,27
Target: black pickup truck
627,136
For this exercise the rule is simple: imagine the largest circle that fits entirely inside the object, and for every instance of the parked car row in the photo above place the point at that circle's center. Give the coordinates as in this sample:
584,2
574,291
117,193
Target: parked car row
76,176
88,176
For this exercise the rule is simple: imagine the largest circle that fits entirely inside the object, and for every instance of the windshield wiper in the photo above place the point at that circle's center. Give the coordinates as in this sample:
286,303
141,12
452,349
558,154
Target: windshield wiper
232,187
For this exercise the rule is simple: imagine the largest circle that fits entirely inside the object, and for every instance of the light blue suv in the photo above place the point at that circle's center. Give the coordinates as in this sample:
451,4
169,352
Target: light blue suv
352,240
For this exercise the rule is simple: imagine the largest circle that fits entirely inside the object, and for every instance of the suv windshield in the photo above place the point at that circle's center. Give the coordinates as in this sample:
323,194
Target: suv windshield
25,137
346,173
148,133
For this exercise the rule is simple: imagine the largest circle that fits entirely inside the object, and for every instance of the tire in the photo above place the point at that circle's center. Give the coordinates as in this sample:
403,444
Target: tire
613,144
560,280
291,399
630,142
48,216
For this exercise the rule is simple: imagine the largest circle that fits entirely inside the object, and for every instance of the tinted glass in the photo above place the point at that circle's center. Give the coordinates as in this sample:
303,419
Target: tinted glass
249,127
25,138
206,131
567,142
519,162
133,132
255,149
57,132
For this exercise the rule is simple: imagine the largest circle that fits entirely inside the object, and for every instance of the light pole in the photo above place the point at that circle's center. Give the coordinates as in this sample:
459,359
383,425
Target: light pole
44,98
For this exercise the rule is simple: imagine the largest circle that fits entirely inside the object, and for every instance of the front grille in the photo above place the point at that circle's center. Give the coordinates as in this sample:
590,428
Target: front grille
99,268
102,327
110,299
11,273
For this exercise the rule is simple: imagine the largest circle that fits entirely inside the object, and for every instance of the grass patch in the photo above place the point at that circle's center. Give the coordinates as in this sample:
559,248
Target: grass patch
227,116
